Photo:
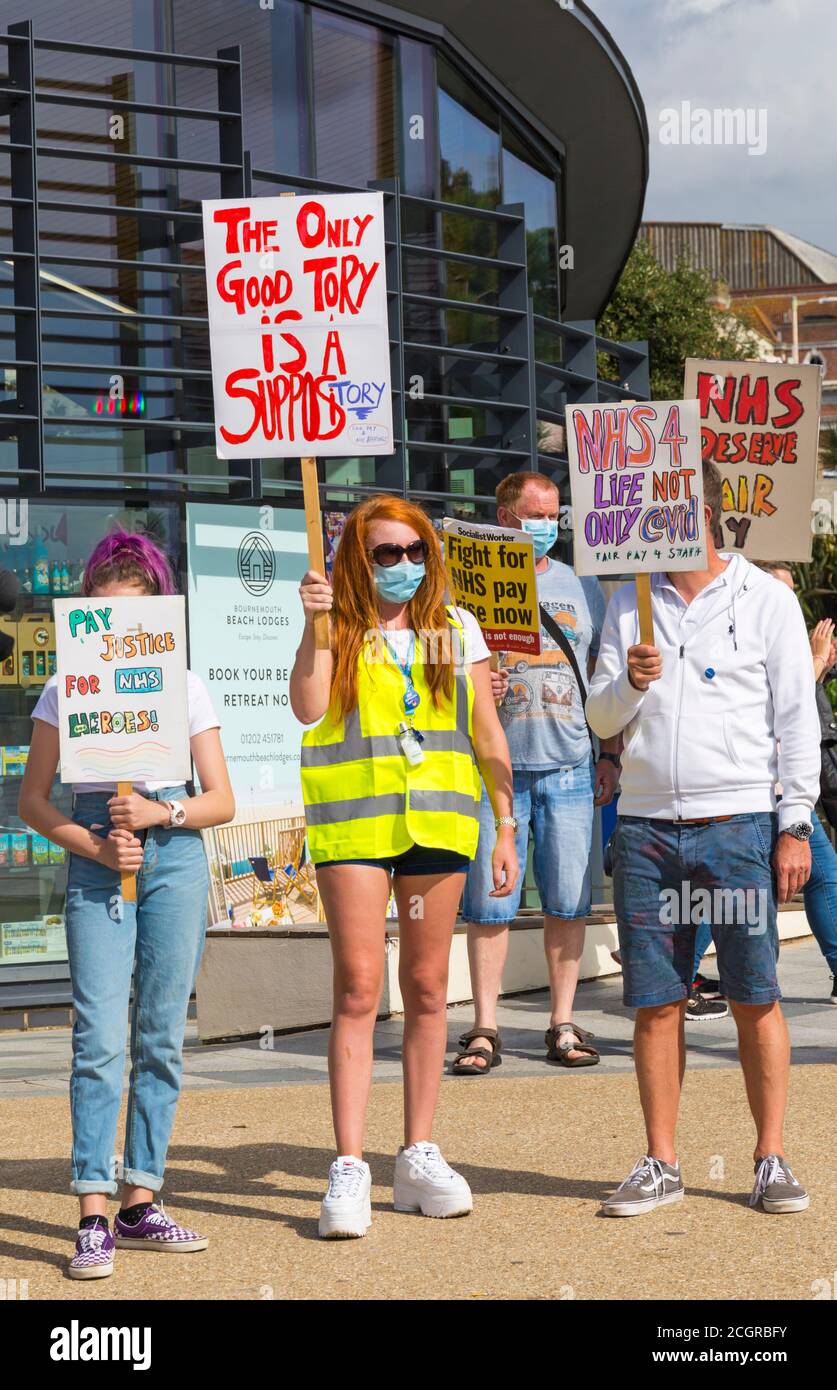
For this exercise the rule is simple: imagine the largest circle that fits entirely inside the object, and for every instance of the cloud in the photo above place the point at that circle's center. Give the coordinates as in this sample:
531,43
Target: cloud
771,55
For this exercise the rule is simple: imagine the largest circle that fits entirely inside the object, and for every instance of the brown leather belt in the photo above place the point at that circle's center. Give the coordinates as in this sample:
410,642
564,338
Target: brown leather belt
703,820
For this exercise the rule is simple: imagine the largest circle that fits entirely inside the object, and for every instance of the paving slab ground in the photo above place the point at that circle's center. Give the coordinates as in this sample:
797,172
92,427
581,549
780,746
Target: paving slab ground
540,1147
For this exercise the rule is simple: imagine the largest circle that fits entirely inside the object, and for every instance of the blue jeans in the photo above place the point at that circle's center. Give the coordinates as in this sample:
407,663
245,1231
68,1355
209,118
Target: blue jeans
668,876
558,805
820,894
160,937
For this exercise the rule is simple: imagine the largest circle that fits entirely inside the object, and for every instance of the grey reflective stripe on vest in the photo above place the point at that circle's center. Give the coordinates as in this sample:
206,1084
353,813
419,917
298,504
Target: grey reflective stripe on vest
459,803
391,804
356,745
356,808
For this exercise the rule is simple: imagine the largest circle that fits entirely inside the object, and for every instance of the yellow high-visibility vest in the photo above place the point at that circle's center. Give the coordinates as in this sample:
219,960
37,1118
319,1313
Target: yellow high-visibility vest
363,799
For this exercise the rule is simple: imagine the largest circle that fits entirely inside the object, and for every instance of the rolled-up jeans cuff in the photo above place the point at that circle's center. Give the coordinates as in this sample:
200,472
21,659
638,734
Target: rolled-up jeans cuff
135,1177
82,1187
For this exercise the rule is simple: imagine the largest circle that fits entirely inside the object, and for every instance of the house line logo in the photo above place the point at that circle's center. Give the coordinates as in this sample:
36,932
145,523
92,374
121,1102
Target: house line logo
722,907
78,1343
722,125
256,563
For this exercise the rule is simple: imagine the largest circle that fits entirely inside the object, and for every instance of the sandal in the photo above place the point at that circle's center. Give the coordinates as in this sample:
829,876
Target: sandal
492,1058
559,1053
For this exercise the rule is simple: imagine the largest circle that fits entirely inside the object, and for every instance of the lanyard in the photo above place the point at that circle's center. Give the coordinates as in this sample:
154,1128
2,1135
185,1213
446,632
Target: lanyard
411,697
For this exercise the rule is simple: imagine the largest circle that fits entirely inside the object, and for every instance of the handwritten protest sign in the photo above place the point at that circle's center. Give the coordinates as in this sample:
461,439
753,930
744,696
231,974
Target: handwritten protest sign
298,326
760,425
122,707
491,572
637,487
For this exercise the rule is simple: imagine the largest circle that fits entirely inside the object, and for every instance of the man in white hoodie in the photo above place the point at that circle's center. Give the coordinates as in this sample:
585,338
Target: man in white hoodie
718,710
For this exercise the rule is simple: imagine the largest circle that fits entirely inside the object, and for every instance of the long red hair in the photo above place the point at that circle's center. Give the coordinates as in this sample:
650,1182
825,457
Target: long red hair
355,612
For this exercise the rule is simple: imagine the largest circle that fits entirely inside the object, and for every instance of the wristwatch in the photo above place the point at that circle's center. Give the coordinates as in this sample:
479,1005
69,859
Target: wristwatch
800,831
177,814
610,758
505,820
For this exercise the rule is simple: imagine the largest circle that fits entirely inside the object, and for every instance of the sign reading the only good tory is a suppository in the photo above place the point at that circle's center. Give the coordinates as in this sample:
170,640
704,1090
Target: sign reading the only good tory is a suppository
122,703
637,487
298,325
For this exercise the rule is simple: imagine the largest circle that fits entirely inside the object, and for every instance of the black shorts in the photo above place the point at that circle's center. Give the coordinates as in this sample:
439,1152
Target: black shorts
418,859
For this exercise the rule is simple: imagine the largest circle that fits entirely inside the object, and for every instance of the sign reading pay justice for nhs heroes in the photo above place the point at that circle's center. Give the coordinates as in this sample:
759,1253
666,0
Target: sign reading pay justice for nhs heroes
298,326
122,709
637,487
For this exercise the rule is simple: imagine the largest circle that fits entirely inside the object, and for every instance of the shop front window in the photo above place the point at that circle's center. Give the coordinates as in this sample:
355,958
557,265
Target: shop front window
47,551
354,100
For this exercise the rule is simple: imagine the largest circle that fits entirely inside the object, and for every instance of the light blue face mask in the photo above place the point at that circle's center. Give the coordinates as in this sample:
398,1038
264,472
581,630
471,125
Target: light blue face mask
398,583
544,534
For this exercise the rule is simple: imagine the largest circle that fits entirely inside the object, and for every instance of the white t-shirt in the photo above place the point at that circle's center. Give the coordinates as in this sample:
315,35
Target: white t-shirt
202,716
473,641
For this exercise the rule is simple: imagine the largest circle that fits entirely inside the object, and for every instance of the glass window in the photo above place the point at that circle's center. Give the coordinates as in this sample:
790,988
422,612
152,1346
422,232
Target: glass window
469,143
354,100
56,541
524,182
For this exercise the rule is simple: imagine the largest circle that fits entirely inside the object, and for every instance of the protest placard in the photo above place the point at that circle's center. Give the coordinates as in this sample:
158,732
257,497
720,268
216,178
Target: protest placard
637,487
760,425
298,325
491,572
122,706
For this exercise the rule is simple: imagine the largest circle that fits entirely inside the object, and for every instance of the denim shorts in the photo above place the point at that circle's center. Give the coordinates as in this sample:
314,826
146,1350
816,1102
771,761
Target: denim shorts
418,859
557,806
670,877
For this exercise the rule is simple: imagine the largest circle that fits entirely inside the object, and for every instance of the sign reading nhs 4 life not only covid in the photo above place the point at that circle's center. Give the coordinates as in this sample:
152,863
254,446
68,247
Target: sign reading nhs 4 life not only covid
298,325
122,703
637,487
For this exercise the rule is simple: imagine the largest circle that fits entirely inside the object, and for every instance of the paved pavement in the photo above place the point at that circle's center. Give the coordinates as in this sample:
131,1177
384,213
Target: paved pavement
38,1062
540,1147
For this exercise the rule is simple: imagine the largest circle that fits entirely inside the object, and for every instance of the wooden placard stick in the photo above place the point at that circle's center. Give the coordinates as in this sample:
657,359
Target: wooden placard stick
316,554
128,882
643,598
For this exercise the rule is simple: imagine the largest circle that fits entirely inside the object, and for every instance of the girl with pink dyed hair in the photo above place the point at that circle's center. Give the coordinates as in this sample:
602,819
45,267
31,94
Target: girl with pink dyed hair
158,941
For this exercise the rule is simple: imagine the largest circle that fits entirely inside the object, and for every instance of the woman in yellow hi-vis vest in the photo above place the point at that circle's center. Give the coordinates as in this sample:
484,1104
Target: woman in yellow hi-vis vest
391,784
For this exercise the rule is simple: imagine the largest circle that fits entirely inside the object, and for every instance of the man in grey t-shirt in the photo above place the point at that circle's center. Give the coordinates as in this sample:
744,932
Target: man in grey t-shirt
556,786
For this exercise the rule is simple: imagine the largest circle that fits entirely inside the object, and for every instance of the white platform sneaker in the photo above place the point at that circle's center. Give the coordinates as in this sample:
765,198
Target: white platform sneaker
346,1209
425,1182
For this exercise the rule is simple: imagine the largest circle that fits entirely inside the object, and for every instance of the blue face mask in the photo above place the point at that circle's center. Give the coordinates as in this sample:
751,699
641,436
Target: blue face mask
544,534
398,583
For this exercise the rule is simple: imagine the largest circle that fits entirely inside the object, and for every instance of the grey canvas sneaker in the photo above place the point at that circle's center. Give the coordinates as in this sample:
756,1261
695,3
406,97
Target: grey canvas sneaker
776,1188
650,1183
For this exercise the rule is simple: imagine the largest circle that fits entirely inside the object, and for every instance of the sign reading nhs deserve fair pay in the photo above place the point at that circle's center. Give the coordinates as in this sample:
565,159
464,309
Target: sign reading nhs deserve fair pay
637,487
298,326
122,707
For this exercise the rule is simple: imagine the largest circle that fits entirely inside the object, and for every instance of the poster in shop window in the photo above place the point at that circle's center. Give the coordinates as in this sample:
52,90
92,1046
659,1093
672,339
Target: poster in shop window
760,425
637,487
298,325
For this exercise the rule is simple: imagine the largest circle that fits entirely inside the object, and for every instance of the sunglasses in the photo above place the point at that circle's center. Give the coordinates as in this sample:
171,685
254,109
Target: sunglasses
388,554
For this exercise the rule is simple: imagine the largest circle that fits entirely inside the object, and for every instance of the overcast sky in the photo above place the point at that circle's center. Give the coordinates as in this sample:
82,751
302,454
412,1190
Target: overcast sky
776,55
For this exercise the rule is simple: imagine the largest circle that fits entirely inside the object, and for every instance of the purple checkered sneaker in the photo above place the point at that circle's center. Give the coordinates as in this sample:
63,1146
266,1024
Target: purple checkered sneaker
156,1231
94,1253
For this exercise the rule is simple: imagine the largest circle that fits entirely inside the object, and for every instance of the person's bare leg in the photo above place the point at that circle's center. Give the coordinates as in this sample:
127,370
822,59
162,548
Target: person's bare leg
764,1050
354,898
563,942
132,1195
659,1058
427,907
487,950
93,1204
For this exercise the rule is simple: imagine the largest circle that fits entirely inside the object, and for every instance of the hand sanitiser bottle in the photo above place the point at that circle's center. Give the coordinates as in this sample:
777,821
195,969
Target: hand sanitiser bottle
411,741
